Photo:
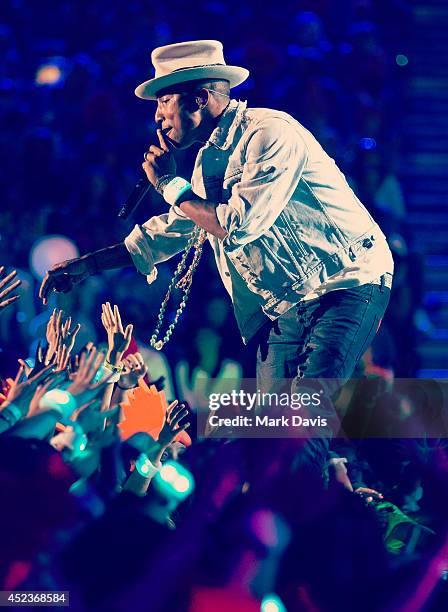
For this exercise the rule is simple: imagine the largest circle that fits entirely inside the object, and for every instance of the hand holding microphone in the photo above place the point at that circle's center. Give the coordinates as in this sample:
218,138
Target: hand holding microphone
158,162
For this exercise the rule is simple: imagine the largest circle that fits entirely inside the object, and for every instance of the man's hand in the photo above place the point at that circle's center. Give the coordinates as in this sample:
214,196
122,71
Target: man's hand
158,161
21,393
83,387
118,339
63,277
13,284
54,379
176,420
60,335
134,368
40,361
368,495
53,332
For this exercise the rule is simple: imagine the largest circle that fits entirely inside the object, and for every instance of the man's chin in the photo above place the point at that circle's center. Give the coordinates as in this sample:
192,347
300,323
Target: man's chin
178,144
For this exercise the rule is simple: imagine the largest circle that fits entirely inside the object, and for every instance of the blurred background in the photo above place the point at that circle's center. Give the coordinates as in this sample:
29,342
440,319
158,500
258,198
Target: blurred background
367,78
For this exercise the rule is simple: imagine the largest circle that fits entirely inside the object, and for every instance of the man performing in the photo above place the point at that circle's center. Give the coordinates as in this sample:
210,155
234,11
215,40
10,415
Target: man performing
307,268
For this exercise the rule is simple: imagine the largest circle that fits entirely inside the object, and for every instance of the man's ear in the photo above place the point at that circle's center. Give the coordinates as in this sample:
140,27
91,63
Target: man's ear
202,97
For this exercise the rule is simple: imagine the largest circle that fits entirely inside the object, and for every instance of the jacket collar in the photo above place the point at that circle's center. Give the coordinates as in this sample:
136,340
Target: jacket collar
223,134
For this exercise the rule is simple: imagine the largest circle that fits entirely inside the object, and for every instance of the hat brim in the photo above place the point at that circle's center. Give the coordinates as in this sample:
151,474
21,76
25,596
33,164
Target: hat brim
234,74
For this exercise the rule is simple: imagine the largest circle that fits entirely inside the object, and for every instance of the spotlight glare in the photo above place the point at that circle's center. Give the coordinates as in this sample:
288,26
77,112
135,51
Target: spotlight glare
272,603
48,74
50,250
181,484
168,473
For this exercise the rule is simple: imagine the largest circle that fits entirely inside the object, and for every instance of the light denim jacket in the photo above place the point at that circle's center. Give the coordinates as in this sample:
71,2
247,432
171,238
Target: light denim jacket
292,220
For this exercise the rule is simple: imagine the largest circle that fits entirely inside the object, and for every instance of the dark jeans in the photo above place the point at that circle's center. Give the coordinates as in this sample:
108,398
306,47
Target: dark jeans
320,339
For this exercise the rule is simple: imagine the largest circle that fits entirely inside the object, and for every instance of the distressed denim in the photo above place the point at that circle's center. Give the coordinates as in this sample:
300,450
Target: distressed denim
292,220
321,339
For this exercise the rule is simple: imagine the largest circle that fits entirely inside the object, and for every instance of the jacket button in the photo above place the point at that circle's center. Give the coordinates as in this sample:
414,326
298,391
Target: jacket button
367,243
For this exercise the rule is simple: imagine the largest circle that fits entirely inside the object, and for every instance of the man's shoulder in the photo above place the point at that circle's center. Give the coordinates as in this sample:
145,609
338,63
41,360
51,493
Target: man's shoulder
261,115
274,123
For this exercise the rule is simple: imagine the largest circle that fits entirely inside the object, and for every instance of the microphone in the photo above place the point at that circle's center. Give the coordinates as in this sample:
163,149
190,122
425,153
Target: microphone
135,197
141,188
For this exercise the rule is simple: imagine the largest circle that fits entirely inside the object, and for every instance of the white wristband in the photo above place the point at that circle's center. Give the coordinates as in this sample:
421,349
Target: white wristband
145,467
112,373
175,188
62,401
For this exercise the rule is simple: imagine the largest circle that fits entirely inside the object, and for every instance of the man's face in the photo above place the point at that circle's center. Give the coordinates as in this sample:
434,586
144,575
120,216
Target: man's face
179,118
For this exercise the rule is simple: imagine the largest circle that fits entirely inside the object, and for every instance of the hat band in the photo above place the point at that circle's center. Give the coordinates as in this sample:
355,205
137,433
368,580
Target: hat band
201,66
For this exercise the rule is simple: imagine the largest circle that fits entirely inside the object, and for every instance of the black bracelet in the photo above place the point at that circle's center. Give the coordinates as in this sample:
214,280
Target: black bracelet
126,388
162,182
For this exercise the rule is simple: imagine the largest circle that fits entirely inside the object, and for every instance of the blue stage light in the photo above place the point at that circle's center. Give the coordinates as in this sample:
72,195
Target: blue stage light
401,60
367,143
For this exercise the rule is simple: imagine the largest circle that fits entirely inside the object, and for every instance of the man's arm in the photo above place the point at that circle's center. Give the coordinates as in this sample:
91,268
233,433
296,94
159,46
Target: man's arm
203,213
275,156
115,256
65,275
157,240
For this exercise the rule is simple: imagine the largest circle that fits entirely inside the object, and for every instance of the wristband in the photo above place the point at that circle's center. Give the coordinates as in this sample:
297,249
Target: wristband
106,370
115,370
59,400
174,189
162,182
11,413
144,466
127,388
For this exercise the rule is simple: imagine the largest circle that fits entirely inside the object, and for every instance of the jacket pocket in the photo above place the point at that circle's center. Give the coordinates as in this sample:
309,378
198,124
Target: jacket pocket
292,235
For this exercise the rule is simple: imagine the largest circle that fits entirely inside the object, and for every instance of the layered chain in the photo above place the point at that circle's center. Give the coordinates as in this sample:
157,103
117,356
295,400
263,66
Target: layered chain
196,242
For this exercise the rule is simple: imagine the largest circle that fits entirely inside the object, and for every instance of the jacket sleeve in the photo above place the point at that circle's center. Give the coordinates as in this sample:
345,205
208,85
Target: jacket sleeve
274,160
158,239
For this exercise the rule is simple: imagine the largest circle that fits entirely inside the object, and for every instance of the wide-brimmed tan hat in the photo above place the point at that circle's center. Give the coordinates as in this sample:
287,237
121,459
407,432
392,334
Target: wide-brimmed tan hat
189,61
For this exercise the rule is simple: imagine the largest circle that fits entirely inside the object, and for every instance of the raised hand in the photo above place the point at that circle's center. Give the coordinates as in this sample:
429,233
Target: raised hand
61,339
41,360
62,358
10,284
159,161
118,338
54,379
368,495
134,368
83,387
68,334
176,420
53,332
63,277
21,393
